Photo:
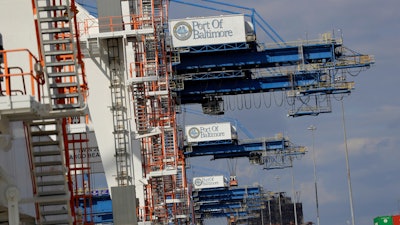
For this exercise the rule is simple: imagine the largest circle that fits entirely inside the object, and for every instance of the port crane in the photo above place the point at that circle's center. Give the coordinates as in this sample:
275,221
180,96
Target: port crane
308,71
145,85
214,198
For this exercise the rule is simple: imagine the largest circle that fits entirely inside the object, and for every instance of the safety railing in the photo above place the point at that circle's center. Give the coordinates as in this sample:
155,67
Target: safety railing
21,74
116,23
354,61
325,38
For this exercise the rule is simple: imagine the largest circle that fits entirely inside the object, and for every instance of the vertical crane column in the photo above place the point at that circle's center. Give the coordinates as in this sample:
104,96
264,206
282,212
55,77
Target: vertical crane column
119,111
166,199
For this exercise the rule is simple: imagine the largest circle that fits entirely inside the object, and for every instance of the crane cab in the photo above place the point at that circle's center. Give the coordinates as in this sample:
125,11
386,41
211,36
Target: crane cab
233,181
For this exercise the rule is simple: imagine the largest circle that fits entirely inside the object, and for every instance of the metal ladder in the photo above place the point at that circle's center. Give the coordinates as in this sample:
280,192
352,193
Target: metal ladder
47,157
140,107
156,160
159,199
58,47
119,111
169,147
147,8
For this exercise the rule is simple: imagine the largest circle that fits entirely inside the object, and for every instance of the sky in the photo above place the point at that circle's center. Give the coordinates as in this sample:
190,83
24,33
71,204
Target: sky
371,113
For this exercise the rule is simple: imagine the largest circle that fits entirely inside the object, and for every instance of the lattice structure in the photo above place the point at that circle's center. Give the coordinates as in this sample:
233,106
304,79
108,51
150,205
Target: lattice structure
166,199
78,159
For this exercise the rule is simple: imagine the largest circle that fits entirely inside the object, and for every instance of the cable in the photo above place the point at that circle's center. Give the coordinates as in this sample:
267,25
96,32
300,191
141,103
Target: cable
276,103
306,101
354,75
245,102
230,106
341,97
270,101
292,102
254,101
237,101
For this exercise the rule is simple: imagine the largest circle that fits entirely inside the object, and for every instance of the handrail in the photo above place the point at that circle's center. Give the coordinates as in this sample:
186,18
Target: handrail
14,61
322,40
116,23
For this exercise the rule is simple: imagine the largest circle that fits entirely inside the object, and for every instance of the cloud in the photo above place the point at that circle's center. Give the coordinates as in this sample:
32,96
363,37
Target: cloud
325,195
360,146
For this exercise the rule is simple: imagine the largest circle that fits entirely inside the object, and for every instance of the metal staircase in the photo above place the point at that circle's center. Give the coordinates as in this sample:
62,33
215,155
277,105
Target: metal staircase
138,90
49,174
158,191
58,49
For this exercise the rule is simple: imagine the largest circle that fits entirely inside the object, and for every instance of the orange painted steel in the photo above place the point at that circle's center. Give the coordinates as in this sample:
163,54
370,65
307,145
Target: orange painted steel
166,194
14,74
80,172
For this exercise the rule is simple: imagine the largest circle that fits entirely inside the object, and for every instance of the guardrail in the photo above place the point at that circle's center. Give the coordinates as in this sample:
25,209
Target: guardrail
21,74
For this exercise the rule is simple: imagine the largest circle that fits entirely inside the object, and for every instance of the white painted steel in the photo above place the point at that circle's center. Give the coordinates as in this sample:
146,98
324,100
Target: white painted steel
210,132
209,182
202,31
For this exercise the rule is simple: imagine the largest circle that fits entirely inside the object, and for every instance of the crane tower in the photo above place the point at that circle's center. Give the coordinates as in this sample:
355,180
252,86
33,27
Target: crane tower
116,76
134,49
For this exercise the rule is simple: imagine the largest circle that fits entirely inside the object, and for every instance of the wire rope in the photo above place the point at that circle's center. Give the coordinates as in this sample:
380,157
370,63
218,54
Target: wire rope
292,102
333,73
306,101
237,103
270,100
230,105
340,98
324,99
245,102
276,103
355,74
232,165
257,106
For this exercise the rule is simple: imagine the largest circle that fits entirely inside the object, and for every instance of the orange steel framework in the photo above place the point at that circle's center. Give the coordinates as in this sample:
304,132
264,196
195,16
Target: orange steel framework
166,196
27,79
79,170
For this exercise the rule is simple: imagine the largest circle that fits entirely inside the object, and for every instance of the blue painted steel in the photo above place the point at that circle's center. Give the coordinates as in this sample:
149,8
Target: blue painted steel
237,149
247,59
212,206
224,214
223,202
221,142
233,150
101,209
220,47
217,194
198,87
89,5
196,90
